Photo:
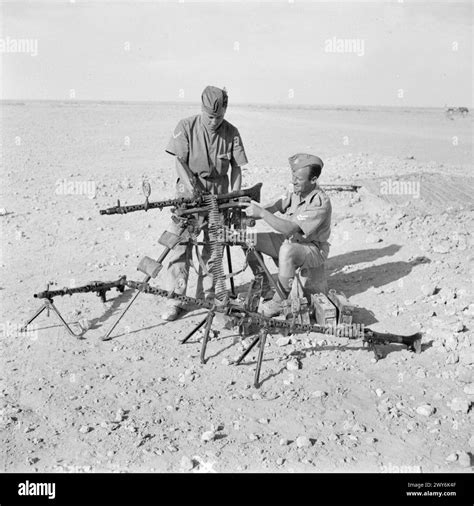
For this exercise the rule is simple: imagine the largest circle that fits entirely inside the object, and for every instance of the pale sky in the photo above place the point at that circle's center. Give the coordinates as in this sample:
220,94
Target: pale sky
263,52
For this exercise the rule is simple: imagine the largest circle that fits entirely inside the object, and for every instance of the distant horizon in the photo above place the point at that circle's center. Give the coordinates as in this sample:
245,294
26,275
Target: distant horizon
235,104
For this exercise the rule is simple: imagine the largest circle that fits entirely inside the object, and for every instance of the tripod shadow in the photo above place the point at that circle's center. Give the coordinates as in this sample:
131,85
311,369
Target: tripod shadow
116,302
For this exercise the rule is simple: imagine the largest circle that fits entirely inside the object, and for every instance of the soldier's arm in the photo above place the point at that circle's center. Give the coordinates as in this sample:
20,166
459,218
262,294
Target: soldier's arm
285,227
235,178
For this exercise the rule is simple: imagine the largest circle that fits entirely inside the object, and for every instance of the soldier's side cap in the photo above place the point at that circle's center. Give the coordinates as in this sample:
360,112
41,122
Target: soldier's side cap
301,160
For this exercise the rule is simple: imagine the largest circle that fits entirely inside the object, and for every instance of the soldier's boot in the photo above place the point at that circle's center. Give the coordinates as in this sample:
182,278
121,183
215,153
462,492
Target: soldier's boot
273,307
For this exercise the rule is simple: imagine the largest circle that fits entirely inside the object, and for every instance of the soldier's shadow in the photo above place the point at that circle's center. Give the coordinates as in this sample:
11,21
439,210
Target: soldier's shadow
375,276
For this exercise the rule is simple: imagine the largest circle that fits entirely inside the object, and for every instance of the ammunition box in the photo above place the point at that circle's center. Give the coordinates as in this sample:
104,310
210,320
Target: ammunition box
345,310
324,312
296,307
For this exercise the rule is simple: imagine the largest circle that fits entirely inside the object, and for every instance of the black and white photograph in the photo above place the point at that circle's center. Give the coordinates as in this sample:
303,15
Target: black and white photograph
236,239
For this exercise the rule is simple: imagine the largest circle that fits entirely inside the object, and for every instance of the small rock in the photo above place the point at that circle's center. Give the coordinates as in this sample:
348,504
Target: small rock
33,460
186,464
469,389
453,358
452,457
464,459
293,365
303,442
319,393
425,410
283,341
467,357
119,415
225,361
459,327
471,441
253,437
84,429
460,405
370,440
280,461
263,421
284,441
428,289
420,373
208,436
379,392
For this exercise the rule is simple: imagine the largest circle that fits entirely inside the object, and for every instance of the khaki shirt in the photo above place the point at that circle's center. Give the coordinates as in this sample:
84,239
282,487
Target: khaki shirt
312,214
208,154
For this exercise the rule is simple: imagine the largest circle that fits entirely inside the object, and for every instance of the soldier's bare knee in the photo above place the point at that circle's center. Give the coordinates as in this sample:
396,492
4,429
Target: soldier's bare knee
287,253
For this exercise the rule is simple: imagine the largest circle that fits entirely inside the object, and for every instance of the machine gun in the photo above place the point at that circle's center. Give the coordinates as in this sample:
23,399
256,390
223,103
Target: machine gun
224,213
187,205
242,317
100,288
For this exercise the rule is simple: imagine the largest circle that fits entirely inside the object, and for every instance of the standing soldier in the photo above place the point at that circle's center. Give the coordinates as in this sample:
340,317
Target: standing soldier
207,145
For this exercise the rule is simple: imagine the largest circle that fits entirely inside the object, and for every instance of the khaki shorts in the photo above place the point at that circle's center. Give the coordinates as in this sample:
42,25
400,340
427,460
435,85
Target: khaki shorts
308,255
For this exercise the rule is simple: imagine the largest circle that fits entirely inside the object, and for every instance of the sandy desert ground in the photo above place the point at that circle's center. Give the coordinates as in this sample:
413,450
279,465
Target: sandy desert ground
142,401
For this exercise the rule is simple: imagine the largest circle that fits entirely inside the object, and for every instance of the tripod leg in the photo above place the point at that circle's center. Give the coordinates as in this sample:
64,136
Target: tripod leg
107,336
53,307
145,280
195,329
40,310
276,285
229,265
248,350
263,337
205,339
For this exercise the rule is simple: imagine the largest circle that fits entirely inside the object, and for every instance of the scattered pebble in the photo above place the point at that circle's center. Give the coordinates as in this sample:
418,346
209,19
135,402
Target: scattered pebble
471,441
460,405
469,389
464,459
293,365
186,464
208,436
119,415
425,410
303,442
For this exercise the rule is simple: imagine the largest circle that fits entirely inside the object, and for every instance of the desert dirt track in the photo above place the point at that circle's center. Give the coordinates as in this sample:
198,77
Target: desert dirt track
142,402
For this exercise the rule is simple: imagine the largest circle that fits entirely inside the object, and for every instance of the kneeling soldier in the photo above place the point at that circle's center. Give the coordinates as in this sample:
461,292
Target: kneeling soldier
301,237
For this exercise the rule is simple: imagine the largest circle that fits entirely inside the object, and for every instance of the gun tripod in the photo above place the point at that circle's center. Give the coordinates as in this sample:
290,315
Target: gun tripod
260,339
48,306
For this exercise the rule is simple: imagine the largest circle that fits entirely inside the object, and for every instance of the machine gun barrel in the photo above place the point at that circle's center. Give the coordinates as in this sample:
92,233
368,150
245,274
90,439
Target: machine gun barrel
341,187
191,202
94,286
368,335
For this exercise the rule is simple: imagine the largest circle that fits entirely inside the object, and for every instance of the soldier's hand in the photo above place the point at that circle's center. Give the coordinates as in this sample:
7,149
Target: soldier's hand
253,210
